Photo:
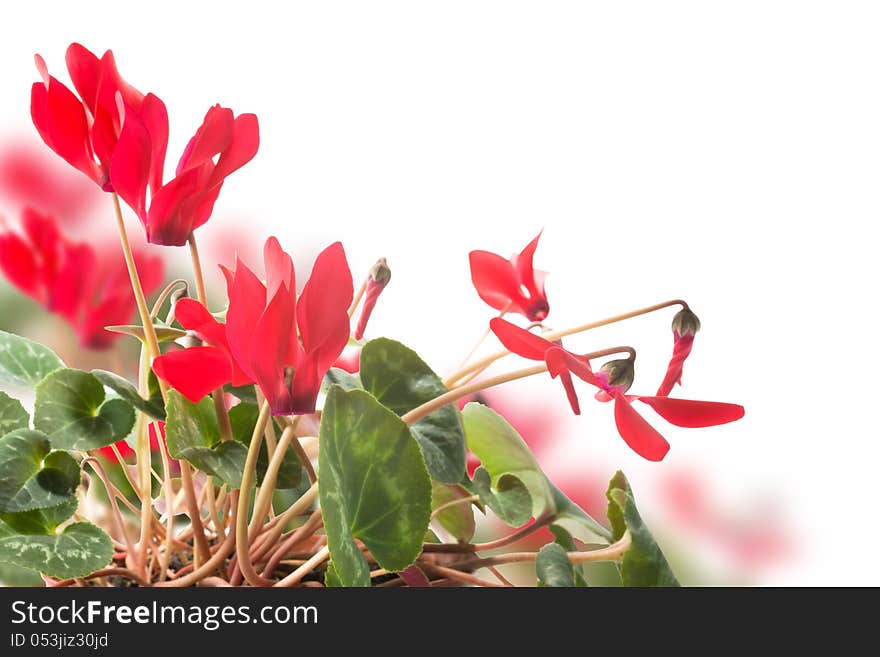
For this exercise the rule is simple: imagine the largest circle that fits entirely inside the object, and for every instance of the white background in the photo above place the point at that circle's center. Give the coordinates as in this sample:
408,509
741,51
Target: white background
726,153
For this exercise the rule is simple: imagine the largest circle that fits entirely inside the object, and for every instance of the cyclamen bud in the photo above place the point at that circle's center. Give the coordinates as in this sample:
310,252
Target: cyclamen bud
379,276
685,322
620,373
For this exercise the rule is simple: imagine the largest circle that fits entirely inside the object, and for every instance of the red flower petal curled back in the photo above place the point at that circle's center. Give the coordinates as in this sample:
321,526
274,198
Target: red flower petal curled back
632,427
511,285
270,338
83,131
88,287
185,202
685,325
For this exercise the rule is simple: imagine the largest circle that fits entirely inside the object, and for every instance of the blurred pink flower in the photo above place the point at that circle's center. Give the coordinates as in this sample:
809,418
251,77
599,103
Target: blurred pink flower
30,176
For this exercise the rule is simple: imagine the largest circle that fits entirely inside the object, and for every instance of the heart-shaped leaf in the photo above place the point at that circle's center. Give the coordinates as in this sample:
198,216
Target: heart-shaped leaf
41,521
510,480
457,520
341,378
12,414
24,363
553,567
154,406
643,563
192,433
374,486
31,475
70,408
400,380
565,540
79,550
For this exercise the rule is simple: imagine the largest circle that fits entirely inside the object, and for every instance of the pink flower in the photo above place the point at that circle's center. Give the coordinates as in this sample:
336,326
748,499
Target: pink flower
511,285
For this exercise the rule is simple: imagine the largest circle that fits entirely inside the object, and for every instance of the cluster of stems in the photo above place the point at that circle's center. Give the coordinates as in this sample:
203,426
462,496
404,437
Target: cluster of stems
230,541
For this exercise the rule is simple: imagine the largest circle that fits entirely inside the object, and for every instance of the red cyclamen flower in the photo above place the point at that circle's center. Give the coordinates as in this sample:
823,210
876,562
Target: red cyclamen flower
89,287
31,176
84,130
221,145
684,326
378,278
511,285
613,380
283,344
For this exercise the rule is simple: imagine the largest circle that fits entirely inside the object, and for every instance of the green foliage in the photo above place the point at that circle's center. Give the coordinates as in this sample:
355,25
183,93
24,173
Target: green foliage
32,476
12,415
553,567
24,363
643,563
79,550
511,482
400,380
458,519
374,486
192,433
70,408
154,406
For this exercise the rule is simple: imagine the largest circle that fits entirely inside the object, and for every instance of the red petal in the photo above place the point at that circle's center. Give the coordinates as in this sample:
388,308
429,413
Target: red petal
242,149
636,432
322,310
211,138
559,360
168,223
247,301
20,266
269,345
520,341
570,392
496,281
523,263
193,316
194,372
692,413
130,164
61,121
85,69
71,288
681,349
279,269
155,119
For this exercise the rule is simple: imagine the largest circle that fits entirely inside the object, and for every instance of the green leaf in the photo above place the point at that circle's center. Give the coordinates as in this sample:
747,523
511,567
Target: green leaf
508,497
164,333
575,520
331,577
400,380
79,550
341,378
643,563
154,406
553,567
565,539
32,476
70,409
243,419
510,479
12,414
374,486
41,521
14,576
23,362
192,433
244,393
457,520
